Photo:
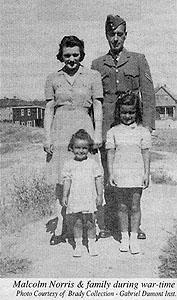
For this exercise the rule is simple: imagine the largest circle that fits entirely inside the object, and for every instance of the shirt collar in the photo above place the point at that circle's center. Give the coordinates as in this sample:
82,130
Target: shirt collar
132,126
81,70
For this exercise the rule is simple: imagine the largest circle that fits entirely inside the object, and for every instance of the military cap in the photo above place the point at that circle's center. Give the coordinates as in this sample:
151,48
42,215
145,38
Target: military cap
112,22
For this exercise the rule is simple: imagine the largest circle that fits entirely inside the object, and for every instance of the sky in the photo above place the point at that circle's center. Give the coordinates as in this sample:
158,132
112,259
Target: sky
31,31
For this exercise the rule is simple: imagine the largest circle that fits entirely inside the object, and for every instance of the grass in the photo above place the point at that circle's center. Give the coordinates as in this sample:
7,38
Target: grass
32,199
165,140
160,177
168,267
9,266
14,137
156,156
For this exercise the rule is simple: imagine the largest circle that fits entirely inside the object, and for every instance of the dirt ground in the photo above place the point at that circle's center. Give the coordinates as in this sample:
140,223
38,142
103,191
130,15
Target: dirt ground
158,212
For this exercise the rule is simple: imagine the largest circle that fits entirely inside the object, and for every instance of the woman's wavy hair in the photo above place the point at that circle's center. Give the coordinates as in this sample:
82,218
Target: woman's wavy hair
71,41
127,98
81,134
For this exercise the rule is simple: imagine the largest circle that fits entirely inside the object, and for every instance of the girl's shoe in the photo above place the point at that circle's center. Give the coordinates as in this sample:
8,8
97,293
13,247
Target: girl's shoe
78,251
124,246
134,246
93,251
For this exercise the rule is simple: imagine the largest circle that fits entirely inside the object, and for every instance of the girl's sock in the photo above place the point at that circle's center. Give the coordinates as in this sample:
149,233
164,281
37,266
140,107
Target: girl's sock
133,235
124,246
125,235
134,245
92,245
78,249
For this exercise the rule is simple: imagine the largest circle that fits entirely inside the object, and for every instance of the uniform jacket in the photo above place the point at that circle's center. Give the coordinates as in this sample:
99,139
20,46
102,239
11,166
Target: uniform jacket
131,72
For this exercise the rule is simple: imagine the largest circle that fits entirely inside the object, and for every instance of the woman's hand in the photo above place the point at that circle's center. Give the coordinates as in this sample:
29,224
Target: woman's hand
64,201
145,181
97,145
48,148
111,180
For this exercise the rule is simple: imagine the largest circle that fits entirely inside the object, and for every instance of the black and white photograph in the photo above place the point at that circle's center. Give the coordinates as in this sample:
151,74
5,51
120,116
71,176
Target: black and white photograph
88,129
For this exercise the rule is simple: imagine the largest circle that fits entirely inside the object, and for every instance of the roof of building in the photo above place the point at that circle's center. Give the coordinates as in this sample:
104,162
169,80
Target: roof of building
166,90
171,100
28,106
14,102
165,102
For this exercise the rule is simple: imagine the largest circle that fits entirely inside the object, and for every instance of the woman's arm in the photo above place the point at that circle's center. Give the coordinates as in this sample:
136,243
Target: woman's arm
48,120
146,159
98,120
110,160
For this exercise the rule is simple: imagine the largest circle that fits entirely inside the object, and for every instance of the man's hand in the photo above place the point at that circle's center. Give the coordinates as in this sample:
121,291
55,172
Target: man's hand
111,180
48,148
145,181
97,145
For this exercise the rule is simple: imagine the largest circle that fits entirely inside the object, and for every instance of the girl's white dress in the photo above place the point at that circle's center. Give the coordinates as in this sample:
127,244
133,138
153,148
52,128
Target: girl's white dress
128,141
82,196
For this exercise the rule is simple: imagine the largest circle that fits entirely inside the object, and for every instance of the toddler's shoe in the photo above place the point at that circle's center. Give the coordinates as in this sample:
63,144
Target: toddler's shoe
134,246
93,251
124,246
78,251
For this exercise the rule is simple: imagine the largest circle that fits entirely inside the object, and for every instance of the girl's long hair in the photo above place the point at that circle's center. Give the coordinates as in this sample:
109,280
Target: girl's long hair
127,98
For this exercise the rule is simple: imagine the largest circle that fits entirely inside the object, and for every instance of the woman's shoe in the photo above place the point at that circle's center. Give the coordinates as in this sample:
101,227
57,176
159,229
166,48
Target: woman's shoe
105,233
57,239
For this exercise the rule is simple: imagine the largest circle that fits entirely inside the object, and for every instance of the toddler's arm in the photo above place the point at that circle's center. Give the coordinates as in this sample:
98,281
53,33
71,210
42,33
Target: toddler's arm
146,159
66,189
99,189
110,160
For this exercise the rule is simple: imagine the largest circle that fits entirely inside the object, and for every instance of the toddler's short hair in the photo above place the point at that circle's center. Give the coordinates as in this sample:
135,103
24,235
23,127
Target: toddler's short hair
81,134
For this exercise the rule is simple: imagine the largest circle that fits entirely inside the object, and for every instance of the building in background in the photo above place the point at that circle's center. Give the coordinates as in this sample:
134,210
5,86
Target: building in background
27,113
166,104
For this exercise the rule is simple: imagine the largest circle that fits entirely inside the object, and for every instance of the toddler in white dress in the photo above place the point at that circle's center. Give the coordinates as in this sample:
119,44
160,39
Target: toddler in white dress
82,190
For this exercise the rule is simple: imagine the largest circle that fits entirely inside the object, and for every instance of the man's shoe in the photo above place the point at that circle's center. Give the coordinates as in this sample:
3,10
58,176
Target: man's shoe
57,239
141,235
104,233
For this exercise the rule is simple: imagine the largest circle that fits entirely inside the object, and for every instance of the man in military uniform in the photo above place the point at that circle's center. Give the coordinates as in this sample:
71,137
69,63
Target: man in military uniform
122,71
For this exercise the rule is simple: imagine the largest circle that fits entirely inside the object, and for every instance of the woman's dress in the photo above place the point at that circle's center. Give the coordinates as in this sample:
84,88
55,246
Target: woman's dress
73,96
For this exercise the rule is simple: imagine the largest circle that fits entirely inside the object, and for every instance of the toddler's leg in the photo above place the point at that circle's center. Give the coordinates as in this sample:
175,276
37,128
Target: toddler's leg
135,216
78,230
91,235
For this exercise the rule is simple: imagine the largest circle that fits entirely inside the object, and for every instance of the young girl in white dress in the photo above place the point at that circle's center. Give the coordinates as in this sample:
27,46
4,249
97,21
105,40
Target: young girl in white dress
128,158
82,190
